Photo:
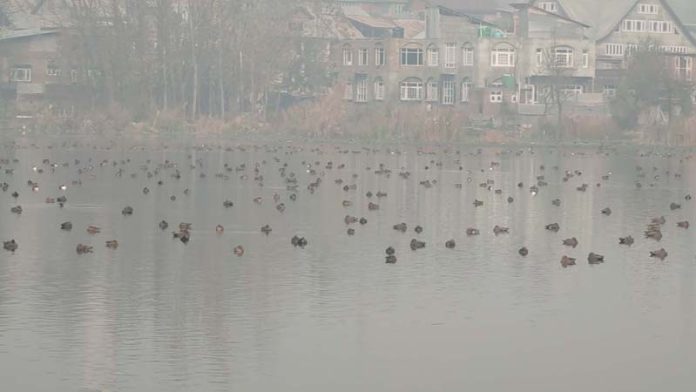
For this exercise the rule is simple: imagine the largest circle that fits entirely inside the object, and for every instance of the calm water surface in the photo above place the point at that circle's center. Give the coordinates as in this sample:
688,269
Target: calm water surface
157,315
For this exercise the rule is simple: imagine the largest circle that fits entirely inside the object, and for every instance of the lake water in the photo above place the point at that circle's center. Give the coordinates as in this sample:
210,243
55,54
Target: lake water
158,315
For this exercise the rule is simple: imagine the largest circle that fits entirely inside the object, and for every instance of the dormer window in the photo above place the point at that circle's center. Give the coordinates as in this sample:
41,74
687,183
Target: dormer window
648,9
548,6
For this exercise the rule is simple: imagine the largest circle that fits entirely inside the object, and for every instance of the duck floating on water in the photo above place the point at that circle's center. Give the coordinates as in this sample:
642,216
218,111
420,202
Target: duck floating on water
567,261
112,244
10,245
571,242
594,258
626,241
659,254
82,249
416,244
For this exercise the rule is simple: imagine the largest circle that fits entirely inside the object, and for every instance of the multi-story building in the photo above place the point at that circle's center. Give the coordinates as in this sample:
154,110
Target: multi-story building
509,53
625,25
462,61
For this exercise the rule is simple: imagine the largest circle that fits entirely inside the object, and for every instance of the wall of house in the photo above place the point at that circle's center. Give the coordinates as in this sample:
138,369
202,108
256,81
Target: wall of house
54,73
675,43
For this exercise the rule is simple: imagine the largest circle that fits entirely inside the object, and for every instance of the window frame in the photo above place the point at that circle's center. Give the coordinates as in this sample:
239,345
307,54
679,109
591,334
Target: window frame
450,55
25,70
348,91
564,57
379,89
407,86
363,57
465,91
433,56
449,92
468,55
507,52
380,56
347,56
432,90
405,54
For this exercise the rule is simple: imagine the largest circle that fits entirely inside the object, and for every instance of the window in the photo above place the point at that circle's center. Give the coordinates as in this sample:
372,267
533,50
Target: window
411,90
466,90
448,92
647,26
572,90
614,50
380,56
503,56
648,9
347,56
496,96
585,59
528,94
361,89
563,57
379,89
450,55
467,56
539,57
20,73
674,49
549,6
411,56
52,70
348,91
683,66
432,93
433,56
609,91
362,57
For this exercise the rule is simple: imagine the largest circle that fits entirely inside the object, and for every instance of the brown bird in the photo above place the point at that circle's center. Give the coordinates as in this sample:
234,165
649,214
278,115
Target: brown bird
683,225
567,261
10,245
239,250
659,254
471,231
415,244
113,244
594,258
497,230
83,249
572,242
523,252
553,227
626,241
93,230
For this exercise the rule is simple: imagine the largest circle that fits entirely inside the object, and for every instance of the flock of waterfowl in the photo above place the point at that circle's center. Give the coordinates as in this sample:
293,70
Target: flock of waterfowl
314,174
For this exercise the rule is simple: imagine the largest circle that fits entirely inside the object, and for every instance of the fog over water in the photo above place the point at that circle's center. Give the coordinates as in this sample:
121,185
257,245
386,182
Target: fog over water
159,315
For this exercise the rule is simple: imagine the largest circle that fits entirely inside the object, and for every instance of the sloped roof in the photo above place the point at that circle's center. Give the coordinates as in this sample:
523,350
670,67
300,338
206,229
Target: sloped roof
612,12
474,6
15,34
601,15
36,14
413,28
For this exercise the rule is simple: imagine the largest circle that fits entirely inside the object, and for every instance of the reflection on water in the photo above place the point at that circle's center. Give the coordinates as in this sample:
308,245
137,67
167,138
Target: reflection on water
159,315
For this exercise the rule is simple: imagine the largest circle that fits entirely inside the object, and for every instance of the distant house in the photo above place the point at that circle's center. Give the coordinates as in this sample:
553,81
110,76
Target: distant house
35,73
623,25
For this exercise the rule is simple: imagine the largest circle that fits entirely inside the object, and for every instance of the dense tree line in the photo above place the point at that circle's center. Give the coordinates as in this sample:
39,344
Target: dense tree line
199,57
